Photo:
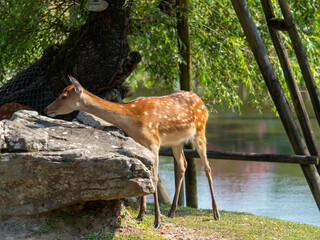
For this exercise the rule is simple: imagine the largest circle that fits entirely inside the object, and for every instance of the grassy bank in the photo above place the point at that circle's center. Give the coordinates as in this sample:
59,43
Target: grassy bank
199,224
187,224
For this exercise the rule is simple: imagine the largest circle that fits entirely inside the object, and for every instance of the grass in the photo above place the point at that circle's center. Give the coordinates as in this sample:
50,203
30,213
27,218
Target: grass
188,223
232,225
97,236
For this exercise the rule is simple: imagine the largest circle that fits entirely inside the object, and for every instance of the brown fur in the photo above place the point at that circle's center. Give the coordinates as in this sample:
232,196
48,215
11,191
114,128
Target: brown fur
8,109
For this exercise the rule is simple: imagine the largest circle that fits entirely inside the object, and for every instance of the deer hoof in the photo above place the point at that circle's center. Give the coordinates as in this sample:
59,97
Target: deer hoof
157,225
216,215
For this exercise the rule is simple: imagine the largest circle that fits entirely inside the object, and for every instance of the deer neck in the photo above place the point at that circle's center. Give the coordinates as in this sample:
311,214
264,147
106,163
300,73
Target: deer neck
114,113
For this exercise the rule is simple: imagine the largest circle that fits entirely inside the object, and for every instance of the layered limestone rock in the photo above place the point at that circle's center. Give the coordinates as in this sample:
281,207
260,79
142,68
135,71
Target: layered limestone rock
47,163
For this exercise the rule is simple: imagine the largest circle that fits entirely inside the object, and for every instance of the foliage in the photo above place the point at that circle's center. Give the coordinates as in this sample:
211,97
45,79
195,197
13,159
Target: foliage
31,26
47,225
224,70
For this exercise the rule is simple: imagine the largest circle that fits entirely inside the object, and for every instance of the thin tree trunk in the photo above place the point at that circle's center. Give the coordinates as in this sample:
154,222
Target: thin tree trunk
186,84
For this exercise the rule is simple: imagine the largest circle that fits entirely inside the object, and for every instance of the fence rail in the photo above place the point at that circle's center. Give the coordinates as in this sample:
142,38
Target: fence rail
166,151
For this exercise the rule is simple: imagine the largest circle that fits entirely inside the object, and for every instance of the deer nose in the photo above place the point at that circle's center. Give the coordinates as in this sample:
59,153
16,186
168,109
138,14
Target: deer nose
45,110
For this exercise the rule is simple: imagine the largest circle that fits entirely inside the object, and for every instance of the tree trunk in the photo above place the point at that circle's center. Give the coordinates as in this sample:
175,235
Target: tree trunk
184,45
186,84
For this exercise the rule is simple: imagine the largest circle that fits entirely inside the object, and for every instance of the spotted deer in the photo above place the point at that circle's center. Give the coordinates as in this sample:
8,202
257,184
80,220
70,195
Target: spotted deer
151,121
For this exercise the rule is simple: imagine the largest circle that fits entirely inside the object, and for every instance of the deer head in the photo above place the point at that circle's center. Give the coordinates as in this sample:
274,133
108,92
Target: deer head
68,101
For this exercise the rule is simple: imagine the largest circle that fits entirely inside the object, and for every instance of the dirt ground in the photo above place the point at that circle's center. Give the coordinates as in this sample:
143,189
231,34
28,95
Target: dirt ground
102,222
30,229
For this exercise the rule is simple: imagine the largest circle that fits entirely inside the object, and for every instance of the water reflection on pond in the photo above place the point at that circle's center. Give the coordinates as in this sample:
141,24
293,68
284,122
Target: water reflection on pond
266,189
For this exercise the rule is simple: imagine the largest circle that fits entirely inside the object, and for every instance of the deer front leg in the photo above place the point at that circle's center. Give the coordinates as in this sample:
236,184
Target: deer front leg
143,207
157,214
182,166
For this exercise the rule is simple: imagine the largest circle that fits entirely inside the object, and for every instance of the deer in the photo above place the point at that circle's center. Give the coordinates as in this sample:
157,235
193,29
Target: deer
8,109
169,120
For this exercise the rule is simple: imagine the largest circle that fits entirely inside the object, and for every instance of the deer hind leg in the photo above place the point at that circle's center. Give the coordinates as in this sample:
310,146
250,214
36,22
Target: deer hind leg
182,165
200,142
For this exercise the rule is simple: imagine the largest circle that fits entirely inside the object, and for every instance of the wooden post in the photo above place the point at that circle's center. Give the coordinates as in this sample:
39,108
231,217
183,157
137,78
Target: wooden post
291,82
301,57
191,181
163,196
186,84
277,94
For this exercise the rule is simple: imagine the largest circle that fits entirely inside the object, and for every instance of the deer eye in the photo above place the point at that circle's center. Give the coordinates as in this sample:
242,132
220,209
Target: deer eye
64,97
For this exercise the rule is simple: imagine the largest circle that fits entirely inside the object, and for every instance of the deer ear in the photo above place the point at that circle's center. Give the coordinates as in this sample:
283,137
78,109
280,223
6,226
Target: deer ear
76,84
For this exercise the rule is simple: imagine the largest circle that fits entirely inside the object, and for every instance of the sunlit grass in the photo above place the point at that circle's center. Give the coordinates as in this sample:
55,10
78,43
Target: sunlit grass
188,223
233,225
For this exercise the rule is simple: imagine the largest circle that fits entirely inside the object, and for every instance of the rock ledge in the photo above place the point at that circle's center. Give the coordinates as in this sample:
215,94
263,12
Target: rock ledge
48,163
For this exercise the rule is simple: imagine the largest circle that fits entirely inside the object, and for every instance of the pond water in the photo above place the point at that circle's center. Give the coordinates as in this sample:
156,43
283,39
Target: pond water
274,190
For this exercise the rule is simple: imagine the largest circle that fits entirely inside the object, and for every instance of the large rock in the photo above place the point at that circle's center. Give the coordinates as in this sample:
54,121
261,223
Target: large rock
48,163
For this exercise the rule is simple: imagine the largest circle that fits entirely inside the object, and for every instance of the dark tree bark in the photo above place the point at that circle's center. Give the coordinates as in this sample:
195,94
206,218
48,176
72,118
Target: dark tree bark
97,54
183,28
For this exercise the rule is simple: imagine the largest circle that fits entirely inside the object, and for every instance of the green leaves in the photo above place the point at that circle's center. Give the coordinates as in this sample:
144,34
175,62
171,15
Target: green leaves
225,72
31,26
154,36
